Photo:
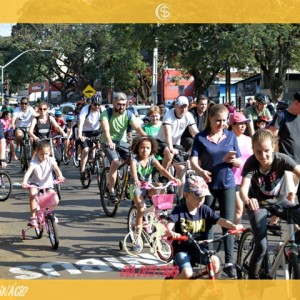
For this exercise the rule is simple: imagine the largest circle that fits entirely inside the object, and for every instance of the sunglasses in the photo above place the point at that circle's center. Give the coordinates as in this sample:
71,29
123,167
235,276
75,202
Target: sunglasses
24,103
43,109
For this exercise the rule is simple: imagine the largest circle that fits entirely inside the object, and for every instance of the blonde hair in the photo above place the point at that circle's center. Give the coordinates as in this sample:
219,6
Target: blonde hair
153,110
261,135
212,111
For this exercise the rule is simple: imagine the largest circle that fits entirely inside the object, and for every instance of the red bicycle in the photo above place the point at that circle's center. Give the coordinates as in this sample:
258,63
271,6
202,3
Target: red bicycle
205,271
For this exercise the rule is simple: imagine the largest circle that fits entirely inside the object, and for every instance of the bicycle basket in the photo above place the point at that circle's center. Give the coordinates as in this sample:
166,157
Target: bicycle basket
47,200
163,201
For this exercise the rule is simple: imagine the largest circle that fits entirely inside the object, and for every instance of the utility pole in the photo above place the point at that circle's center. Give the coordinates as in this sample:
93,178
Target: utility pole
154,74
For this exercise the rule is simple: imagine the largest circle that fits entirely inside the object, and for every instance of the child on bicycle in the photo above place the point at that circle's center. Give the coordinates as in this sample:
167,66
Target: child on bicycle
142,165
264,178
196,218
41,167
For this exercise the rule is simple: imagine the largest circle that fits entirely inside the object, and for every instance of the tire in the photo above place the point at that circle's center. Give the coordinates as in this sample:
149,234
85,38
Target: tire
164,250
52,232
8,153
39,230
131,219
244,253
57,186
5,186
75,161
293,265
109,209
23,158
127,244
65,159
86,181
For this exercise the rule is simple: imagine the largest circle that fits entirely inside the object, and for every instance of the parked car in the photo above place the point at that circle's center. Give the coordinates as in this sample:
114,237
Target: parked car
142,111
66,108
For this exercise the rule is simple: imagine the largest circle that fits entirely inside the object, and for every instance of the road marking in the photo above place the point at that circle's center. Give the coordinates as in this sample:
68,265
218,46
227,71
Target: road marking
90,265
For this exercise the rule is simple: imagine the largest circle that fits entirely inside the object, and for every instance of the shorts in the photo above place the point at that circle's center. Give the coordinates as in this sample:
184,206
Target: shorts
136,191
121,151
162,146
188,260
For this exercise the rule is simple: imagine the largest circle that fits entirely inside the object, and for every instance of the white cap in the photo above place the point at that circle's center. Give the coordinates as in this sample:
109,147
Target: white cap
182,100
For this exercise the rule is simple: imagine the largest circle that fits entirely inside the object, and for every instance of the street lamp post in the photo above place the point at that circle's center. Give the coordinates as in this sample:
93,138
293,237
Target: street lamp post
154,74
11,61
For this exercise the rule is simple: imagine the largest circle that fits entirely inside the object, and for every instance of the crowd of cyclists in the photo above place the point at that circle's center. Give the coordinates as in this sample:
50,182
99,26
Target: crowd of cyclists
240,158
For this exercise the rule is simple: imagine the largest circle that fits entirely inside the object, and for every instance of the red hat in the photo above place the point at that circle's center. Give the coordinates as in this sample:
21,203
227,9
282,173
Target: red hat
237,117
262,119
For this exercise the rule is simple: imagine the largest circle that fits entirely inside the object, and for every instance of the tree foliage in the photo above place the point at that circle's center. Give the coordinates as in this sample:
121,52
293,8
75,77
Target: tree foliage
119,56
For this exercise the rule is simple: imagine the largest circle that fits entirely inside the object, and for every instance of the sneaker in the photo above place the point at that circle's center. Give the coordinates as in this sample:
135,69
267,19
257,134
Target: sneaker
82,175
137,247
32,222
113,199
230,271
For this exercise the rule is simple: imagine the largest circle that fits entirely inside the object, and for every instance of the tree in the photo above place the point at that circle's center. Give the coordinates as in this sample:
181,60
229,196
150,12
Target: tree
275,48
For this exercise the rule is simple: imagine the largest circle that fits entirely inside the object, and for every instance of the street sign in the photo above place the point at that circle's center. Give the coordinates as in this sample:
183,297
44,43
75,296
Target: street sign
89,91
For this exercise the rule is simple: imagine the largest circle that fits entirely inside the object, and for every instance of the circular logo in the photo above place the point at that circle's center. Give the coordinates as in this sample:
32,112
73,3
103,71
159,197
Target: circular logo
162,12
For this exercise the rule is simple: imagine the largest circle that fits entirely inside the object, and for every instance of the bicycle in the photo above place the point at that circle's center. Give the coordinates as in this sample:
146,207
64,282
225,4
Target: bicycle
5,186
182,159
45,216
121,187
284,256
25,150
94,164
206,271
71,154
154,229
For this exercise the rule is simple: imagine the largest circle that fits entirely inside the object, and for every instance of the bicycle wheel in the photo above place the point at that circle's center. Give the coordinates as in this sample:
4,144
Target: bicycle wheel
39,230
245,250
5,186
8,153
57,186
23,158
109,208
75,161
293,265
164,250
131,240
87,178
65,159
131,219
52,231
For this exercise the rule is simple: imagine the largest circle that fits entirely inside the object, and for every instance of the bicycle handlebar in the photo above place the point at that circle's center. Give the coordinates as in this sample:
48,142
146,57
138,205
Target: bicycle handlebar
148,186
190,237
28,186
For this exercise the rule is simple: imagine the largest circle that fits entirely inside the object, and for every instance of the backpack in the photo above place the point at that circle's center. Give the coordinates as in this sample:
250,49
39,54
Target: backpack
129,116
89,110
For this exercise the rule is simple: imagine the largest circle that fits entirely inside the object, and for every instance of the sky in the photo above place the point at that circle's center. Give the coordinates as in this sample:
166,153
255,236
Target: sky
5,29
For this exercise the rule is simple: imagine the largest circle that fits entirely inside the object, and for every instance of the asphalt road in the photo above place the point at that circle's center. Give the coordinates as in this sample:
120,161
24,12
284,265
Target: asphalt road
89,241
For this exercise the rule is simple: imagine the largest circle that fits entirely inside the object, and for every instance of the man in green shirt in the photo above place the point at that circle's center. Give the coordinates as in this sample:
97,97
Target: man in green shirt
115,123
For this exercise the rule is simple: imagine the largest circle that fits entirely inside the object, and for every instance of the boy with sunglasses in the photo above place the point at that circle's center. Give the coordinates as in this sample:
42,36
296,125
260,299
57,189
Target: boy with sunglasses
21,120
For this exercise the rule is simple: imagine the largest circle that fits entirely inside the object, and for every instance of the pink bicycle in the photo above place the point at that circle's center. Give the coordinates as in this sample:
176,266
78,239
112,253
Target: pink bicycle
45,216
